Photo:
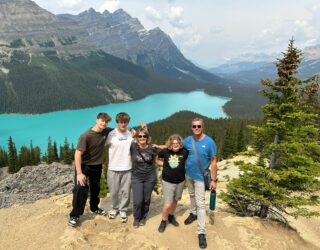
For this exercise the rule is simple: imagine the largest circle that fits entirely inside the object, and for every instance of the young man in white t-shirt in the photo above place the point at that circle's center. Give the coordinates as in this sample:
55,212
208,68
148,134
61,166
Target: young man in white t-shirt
119,170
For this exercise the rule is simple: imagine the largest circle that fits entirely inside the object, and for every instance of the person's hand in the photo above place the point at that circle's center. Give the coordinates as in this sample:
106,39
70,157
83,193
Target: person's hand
81,179
213,185
143,125
133,132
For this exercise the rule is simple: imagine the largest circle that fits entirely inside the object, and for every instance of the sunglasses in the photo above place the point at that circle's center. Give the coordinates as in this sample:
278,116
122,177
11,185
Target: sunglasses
142,136
196,126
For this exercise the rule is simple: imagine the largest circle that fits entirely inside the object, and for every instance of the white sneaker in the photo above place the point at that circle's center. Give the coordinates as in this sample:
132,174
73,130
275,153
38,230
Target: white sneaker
112,214
123,217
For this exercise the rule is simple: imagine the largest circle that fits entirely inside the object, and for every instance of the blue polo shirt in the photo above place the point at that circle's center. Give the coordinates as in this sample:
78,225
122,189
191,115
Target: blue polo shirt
206,149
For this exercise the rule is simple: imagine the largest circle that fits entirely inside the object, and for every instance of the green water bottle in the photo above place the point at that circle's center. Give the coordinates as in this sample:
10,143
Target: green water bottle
213,196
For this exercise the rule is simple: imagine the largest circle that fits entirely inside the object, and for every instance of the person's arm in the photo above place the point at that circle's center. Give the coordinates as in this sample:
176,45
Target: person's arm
158,161
159,146
81,178
213,184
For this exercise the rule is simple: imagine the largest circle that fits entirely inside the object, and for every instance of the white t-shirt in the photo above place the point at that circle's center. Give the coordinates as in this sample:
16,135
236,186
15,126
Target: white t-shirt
119,150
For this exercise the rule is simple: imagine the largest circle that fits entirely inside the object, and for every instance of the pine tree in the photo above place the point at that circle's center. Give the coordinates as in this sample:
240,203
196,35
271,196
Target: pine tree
286,175
3,158
50,152
55,152
241,144
66,154
13,161
25,157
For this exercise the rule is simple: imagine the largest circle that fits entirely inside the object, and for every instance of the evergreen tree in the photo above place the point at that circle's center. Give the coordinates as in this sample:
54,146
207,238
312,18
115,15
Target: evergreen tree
13,161
55,152
50,152
36,153
288,170
25,157
3,158
241,145
66,152
229,144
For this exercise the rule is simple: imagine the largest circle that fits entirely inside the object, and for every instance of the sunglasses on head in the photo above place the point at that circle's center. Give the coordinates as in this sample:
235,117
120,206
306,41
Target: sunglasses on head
142,136
196,126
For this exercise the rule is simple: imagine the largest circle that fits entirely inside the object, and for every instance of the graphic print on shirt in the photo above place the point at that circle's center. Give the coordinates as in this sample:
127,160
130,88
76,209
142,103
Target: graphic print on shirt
173,161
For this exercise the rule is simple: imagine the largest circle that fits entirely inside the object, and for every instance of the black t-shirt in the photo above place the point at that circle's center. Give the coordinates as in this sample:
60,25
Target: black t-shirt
173,165
91,144
142,168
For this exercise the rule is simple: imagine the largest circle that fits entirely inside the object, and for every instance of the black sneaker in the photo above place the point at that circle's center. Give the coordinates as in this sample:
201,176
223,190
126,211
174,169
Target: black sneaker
135,224
73,221
142,222
172,220
192,217
162,226
100,211
202,241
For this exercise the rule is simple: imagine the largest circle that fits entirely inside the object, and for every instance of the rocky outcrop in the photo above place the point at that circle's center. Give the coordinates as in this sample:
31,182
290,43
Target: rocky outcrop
32,183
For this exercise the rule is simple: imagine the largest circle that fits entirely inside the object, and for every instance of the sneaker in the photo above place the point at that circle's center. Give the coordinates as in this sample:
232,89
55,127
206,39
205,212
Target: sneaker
135,224
192,217
202,241
112,214
100,211
73,221
123,217
172,220
142,222
162,226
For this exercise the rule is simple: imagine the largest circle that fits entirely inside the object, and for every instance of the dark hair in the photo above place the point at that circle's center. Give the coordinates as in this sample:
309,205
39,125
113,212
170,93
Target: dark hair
122,117
104,116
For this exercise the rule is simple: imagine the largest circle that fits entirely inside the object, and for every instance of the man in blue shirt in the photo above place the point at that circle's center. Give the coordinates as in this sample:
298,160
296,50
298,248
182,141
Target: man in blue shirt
206,150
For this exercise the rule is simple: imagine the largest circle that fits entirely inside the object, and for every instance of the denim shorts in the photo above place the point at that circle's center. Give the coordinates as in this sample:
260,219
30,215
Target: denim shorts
172,191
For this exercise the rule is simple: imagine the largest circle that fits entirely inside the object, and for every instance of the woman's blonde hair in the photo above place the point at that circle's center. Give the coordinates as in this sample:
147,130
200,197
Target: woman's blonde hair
172,138
145,132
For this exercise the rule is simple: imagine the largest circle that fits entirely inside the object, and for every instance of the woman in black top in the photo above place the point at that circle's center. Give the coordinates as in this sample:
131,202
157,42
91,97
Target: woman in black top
144,176
173,176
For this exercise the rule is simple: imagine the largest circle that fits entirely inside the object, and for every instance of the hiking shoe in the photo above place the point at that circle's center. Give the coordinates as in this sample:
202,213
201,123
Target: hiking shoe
142,222
112,214
135,224
162,226
172,220
123,217
202,240
100,211
192,217
73,221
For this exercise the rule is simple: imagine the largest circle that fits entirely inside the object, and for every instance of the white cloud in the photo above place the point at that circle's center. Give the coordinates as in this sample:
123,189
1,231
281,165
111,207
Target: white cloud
110,5
152,14
175,17
70,4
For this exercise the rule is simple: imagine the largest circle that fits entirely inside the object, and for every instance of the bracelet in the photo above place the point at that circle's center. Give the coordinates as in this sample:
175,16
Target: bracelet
215,180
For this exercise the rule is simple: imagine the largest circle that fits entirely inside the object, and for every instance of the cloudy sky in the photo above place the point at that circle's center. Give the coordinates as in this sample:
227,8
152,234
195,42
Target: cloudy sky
211,32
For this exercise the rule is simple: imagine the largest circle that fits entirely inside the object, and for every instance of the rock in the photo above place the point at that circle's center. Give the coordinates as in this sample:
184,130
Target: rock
36,182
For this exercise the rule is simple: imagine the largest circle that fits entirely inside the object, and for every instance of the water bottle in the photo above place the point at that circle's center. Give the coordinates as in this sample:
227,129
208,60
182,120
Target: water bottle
212,200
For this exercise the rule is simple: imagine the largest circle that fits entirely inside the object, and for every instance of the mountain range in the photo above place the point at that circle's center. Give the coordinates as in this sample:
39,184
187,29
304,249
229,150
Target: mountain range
250,70
53,62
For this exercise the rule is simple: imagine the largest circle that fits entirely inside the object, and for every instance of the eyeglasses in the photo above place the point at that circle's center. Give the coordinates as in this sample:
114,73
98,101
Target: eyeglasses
196,126
142,136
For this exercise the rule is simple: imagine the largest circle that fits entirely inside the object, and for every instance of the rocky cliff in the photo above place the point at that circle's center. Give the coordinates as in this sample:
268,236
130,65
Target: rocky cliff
24,26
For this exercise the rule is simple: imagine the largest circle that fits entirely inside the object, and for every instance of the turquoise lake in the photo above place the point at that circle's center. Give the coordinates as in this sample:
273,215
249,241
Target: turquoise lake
72,123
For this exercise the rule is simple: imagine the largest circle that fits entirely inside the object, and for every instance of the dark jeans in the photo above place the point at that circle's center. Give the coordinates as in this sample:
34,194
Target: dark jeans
142,190
80,193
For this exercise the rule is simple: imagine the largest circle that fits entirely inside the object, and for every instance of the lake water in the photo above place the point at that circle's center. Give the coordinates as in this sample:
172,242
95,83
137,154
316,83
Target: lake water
71,123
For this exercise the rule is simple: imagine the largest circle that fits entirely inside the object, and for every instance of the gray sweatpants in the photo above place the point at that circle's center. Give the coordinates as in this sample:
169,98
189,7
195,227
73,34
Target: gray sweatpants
119,183
197,199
